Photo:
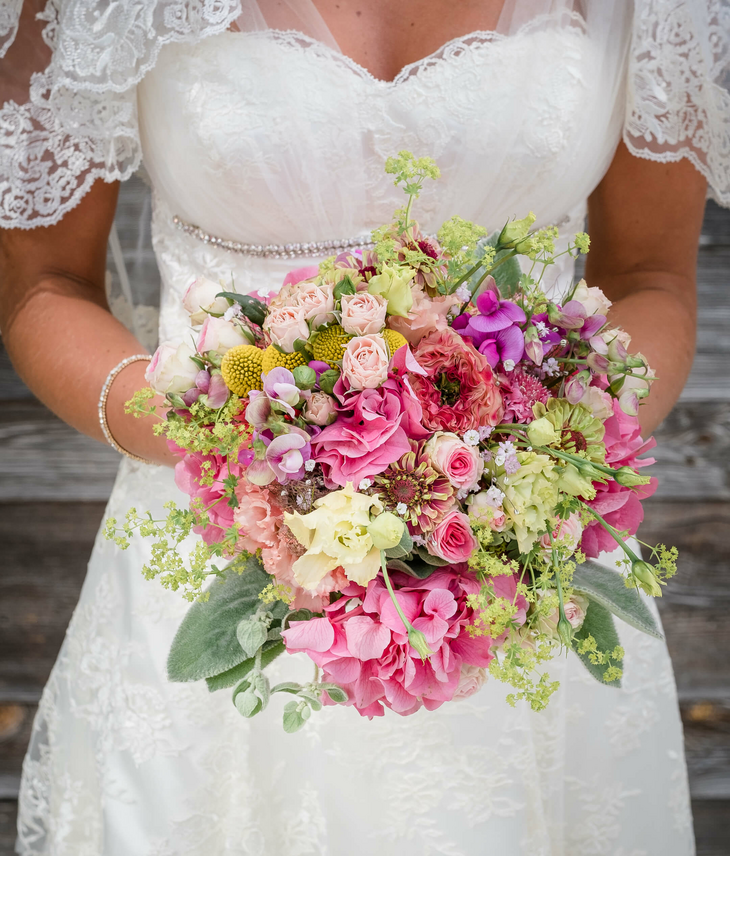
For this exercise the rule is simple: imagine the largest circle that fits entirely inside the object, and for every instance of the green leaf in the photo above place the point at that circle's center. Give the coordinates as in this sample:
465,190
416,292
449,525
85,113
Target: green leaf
335,692
599,625
606,586
233,676
251,634
430,558
206,643
254,310
246,701
293,719
344,287
403,548
289,687
507,276
414,567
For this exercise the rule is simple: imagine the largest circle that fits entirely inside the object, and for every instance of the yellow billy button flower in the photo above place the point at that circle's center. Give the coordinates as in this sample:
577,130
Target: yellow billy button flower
386,530
241,369
393,340
329,343
336,533
272,358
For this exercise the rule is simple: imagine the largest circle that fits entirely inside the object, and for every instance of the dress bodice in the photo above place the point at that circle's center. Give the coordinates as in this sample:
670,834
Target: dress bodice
271,137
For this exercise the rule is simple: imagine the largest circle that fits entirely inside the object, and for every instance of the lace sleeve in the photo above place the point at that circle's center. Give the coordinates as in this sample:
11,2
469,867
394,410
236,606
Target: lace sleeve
68,81
679,87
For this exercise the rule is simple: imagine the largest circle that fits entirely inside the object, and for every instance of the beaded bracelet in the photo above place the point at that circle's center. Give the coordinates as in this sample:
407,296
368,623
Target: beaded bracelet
102,404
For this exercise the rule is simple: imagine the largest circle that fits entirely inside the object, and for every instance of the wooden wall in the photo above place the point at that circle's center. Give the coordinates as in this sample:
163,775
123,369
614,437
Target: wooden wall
54,483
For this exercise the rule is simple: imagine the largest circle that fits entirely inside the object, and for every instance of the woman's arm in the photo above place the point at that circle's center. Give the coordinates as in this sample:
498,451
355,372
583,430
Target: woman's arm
644,220
58,330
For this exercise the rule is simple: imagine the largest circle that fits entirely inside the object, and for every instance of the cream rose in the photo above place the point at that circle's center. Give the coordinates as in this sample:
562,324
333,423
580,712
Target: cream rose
218,336
365,362
286,325
316,302
363,313
200,299
568,530
171,370
592,299
471,680
459,462
598,402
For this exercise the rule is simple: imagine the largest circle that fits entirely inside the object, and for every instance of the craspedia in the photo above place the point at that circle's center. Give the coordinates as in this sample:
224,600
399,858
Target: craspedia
393,339
273,358
328,345
241,369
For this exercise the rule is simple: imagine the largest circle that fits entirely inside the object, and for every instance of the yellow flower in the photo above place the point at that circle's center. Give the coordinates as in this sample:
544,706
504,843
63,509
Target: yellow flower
393,339
328,344
241,369
336,534
530,497
272,358
394,283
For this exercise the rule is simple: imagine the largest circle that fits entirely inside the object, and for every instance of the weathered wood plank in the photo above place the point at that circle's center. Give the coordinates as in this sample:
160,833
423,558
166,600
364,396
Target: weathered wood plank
8,817
36,601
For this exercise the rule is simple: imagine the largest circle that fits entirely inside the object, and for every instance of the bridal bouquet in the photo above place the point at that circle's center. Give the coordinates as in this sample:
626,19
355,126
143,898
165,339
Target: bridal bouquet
403,461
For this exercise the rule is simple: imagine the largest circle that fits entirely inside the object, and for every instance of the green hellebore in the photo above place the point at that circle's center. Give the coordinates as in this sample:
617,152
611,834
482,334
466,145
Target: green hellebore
394,285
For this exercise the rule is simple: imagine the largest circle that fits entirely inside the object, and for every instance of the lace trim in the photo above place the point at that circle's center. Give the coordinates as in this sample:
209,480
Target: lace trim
9,17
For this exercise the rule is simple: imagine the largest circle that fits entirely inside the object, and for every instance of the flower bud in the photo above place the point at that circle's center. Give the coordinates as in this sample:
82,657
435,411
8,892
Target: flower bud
304,377
514,232
386,530
629,403
565,631
417,640
627,477
533,345
646,577
598,363
541,432
576,482
576,388
328,380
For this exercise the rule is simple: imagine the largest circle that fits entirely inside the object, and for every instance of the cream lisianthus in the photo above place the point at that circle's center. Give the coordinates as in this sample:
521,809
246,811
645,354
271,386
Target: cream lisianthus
336,534
530,497
394,284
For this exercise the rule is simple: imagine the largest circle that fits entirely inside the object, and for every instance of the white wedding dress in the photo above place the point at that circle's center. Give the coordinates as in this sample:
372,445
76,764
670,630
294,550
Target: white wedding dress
273,136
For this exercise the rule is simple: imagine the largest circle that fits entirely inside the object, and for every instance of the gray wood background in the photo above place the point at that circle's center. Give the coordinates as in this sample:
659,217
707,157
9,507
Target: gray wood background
54,484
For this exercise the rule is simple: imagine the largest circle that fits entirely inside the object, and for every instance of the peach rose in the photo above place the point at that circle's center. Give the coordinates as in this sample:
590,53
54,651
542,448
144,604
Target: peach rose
317,302
363,313
459,462
286,325
365,362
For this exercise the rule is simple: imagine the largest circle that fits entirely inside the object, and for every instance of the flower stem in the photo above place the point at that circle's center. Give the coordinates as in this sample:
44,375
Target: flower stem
416,638
614,534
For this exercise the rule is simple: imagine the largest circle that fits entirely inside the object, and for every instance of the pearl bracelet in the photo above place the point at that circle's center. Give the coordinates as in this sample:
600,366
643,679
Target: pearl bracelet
102,404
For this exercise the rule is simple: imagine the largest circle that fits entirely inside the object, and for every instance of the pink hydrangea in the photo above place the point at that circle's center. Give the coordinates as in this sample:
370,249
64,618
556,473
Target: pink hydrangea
188,473
620,506
361,643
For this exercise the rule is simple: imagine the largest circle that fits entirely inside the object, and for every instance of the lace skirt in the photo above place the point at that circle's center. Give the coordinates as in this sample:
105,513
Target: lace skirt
123,762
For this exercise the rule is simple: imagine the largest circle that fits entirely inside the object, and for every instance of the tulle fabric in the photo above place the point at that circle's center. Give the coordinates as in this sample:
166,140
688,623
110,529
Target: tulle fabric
68,81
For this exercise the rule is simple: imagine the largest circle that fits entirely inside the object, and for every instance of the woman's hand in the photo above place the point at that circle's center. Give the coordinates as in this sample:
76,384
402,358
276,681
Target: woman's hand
58,330
644,220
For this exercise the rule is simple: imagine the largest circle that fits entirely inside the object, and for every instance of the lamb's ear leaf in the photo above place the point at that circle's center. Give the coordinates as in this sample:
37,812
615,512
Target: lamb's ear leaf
599,625
231,677
414,567
429,558
607,587
206,643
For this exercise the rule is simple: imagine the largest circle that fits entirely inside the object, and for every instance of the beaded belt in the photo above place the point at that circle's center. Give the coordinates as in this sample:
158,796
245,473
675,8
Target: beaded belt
275,251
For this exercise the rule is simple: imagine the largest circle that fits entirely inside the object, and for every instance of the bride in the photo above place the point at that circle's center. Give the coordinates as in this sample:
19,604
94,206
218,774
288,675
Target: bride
268,123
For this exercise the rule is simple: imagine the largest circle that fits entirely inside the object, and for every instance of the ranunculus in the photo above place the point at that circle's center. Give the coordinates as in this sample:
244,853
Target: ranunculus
458,392
317,303
592,299
567,530
286,325
218,336
200,299
363,313
171,370
459,462
452,539
320,409
365,362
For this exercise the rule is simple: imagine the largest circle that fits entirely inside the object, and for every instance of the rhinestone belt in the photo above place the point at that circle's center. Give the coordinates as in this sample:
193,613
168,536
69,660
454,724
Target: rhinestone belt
275,251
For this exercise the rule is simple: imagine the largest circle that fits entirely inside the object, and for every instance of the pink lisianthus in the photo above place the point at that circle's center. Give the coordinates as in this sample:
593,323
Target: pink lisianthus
366,650
372,430
458,392
620,506
258,517
452,539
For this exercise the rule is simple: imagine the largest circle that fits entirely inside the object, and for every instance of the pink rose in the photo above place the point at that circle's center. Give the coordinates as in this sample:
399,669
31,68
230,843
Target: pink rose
365,362
459,462
568,530
471,680
452,539
363,313
218,336
482,507
320,409
200,299
285,325
574,613
171,370
317,302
